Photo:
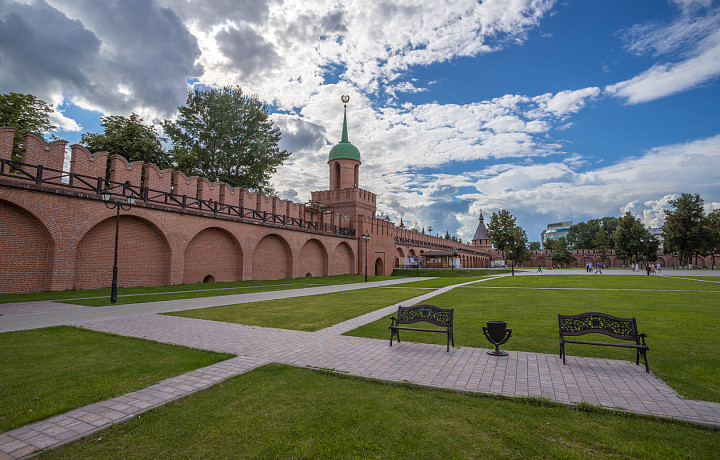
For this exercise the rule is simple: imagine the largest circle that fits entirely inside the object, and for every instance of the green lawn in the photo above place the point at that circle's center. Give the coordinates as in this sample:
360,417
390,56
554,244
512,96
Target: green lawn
309,313
282,412
49,371
683,327
101,297
444,272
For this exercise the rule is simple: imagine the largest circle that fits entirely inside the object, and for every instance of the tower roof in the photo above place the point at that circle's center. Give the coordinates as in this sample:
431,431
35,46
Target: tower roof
344,150
481,232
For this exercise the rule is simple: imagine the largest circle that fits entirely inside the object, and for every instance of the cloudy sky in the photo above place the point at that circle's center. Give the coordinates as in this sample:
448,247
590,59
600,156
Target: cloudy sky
553,110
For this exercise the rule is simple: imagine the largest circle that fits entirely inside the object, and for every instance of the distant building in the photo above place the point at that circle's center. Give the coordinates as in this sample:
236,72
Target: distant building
555,231
657,233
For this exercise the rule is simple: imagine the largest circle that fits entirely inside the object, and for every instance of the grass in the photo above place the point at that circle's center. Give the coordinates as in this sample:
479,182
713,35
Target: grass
308,313
101,296
445,272
683,327
49,371
281,412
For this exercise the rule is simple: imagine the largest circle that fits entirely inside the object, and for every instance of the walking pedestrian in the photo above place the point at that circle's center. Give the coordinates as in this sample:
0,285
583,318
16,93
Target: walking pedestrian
539,270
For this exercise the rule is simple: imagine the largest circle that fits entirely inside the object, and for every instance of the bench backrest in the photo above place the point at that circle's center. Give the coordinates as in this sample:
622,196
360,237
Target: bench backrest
601,323
425,312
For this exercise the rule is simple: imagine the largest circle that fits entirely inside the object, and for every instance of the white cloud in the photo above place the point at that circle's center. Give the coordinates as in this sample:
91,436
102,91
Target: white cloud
698,42
64,123
566,102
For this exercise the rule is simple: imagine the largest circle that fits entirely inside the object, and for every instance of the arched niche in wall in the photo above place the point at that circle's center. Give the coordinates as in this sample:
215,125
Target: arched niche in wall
212,252
143,255
26,250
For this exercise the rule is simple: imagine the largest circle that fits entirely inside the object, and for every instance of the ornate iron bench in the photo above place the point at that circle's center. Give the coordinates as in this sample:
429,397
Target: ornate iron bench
442,317
602,323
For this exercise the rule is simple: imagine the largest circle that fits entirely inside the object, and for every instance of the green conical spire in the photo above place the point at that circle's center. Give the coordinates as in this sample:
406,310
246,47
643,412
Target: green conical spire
344,134
344,150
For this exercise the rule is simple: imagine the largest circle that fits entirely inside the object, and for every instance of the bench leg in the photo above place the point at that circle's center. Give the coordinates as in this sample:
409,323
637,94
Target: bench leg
393,333
562,352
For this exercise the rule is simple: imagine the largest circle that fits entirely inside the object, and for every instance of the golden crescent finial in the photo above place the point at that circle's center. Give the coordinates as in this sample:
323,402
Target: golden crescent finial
345,99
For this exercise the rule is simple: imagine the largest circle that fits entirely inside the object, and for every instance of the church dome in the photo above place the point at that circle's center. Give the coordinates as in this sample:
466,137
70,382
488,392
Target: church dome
344,150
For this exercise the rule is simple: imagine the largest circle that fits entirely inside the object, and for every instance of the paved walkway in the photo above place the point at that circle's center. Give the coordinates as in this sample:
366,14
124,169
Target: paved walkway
602,382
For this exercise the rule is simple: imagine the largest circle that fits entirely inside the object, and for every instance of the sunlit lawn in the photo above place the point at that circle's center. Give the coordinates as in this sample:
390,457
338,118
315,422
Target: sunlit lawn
281,412
101,296
44,372
309,313
681,318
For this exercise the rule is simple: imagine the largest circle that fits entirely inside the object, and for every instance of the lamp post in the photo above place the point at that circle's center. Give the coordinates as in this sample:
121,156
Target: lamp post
366,239
118,205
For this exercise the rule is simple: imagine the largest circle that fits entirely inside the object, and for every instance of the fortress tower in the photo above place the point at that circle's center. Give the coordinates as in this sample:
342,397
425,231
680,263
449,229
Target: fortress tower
481,240
345,195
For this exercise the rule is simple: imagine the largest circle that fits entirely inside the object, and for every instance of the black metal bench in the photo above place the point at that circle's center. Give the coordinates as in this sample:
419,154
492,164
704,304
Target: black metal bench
442,317
602,323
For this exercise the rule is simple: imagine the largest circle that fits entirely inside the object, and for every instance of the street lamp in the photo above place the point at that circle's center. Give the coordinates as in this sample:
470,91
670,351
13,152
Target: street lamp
366,239
118,205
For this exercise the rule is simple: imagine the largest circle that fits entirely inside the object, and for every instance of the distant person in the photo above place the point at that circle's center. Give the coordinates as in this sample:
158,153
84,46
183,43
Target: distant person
659,268
597,269
647,269
539,270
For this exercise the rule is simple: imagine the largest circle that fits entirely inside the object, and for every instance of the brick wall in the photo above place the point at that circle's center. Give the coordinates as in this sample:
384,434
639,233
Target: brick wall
24,251
214,253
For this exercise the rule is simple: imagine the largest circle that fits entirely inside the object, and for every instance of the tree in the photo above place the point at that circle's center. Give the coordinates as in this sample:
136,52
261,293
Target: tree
508,238
227,136
631,238
684,231
25,113
712,224
129,137
582,234
402,224
601,245
561,255
534,246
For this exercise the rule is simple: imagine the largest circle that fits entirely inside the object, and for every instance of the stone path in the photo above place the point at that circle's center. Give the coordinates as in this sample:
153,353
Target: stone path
607,383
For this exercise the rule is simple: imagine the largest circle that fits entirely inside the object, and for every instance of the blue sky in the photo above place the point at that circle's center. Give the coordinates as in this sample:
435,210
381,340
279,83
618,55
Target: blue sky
553,110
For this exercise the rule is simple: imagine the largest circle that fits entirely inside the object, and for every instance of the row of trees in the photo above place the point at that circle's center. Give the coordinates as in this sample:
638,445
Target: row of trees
220,133
688,232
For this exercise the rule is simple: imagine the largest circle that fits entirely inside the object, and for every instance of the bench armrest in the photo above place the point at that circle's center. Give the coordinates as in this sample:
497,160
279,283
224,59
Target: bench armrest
393,321
642,338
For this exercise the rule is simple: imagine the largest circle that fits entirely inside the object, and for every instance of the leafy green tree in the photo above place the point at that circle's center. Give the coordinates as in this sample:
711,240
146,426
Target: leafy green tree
24,112
549,244
608,225
632,240
508,237
402,224
129,137
561,255
712,224
226,135
534,246
684,231
601,245
582,234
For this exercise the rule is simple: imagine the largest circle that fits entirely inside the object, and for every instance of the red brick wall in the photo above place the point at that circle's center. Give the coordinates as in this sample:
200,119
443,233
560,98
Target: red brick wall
343,261
143,255
271,259
25,247
313,260
213,252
